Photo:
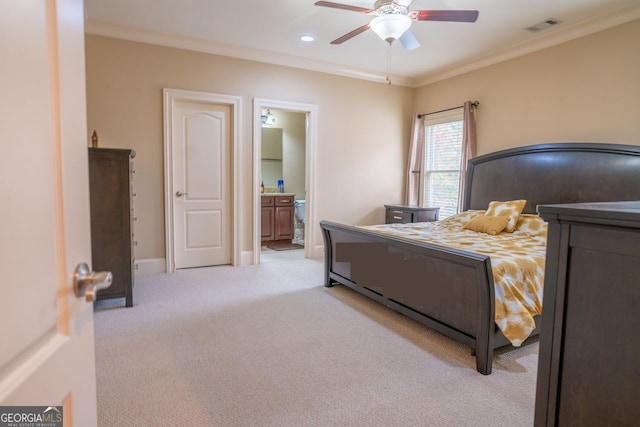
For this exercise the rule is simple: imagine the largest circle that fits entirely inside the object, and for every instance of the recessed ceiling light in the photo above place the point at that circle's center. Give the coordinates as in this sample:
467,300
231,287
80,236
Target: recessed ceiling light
307,38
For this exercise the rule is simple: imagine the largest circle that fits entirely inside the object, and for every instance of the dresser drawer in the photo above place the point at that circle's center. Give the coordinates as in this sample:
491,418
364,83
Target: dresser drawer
407,214
395,216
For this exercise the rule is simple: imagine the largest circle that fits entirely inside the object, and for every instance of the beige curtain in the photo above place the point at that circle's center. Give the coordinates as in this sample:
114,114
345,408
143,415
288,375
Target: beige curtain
412,193
468,146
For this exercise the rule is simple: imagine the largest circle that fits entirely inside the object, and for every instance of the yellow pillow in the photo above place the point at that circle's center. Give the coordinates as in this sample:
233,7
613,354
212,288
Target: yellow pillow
487,224
510,209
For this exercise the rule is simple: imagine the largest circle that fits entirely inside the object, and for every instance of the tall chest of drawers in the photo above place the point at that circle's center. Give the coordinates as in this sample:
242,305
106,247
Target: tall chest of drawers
111,193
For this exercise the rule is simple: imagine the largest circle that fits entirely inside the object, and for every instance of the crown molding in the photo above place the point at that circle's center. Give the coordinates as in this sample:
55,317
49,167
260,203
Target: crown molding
215,48
542,41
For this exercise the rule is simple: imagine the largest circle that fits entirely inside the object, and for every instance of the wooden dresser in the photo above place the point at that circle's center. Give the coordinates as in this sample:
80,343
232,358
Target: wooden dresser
277,217
588,365
406,214
110,186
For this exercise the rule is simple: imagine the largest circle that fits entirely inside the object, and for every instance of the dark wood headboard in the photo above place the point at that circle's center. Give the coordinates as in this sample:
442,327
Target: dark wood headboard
553,174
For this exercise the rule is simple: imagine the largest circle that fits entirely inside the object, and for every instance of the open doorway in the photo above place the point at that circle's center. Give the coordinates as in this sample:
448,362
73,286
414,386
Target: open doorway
284,148
282,180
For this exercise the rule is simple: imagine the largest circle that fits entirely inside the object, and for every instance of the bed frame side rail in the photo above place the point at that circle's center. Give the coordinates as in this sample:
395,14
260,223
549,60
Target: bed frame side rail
449,290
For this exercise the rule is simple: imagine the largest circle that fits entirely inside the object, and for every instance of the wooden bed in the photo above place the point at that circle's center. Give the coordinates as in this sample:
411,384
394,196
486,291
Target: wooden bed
457,298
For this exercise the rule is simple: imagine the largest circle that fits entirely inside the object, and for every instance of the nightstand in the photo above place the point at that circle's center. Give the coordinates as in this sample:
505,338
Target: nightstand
404,214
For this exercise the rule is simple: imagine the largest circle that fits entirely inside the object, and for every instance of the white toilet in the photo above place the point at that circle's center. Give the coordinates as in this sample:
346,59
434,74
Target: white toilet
299,212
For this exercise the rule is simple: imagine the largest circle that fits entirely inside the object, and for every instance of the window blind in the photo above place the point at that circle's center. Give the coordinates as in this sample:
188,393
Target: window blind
443,151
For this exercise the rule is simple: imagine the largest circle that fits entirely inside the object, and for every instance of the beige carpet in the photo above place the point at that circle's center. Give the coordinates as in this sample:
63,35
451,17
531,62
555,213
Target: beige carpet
268,345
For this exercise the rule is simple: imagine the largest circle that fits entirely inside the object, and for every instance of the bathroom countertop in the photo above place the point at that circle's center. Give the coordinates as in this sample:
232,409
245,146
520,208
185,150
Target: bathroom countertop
278,194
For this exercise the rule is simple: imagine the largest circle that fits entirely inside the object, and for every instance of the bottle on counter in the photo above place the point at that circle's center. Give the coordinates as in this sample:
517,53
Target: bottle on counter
281,186
262,187
94,139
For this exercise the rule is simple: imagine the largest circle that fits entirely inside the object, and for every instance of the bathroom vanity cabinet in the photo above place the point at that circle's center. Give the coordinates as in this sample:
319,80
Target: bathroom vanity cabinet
277,217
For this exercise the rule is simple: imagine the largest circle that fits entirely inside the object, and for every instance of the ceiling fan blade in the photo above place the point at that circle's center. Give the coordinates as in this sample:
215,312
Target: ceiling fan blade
342,6
447,15
351,34
408,40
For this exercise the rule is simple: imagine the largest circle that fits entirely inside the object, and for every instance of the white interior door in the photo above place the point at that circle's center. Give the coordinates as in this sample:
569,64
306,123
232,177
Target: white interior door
47,351
201,184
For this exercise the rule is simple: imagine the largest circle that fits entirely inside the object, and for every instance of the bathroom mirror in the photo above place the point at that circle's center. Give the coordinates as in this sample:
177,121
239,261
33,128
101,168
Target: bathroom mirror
271,156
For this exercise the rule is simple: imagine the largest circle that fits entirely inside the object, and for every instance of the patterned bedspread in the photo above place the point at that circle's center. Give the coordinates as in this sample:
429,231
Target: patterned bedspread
517,262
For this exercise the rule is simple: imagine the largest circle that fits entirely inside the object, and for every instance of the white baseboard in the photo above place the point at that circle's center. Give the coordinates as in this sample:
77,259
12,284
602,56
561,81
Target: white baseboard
246,258
317,252
150,266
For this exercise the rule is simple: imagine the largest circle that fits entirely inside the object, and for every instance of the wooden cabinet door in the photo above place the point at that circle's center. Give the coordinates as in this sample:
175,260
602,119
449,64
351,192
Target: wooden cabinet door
284,222
267,228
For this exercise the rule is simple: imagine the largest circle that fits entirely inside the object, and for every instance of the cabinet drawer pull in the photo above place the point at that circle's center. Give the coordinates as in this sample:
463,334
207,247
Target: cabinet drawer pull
397,217
400,212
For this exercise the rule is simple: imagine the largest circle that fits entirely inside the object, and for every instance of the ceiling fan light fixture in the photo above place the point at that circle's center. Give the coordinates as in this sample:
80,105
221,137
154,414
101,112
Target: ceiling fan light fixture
390,27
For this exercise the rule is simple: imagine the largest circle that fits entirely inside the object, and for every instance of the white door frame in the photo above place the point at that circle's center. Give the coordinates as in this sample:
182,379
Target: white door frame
310,247
170,96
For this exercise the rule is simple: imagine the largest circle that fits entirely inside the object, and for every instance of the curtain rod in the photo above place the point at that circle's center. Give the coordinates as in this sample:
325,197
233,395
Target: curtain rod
474,104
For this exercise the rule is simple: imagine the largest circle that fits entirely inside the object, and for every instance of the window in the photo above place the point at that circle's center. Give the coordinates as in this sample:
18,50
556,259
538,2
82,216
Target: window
441,167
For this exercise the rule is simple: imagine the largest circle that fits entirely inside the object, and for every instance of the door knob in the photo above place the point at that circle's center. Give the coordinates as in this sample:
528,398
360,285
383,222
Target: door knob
180,193
87,283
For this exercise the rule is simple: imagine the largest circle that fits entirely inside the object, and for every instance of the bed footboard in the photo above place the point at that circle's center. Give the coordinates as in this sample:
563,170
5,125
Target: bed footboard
446,289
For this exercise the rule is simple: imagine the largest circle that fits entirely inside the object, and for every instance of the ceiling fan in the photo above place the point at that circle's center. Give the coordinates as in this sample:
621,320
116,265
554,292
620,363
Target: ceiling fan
393,19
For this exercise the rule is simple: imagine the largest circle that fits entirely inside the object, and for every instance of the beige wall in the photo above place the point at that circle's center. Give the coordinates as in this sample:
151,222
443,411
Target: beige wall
583,90
362,137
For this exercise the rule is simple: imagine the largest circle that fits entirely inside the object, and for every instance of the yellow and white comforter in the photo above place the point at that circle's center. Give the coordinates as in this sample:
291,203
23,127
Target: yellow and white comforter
517,262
